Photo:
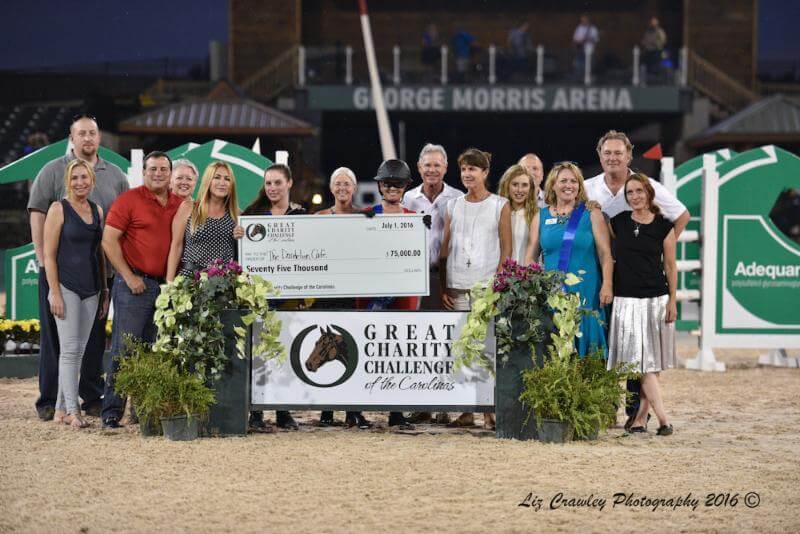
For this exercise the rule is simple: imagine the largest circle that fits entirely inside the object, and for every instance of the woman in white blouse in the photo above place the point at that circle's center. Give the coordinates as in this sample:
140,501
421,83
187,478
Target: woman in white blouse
519,187
476,242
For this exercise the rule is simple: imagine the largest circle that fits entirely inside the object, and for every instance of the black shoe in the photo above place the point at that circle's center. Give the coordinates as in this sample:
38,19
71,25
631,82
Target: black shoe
664,430
631,419
45,413
356,419
638,430
256,423
397,419
419,417
93,408
286,421
112,422
326,419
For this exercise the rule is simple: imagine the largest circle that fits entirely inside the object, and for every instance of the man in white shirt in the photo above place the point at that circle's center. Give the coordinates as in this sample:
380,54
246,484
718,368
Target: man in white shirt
608,188
431,198
533,164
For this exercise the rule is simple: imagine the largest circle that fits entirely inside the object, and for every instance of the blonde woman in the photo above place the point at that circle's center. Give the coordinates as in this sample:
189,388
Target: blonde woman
573,238
519,187
75,267
206,229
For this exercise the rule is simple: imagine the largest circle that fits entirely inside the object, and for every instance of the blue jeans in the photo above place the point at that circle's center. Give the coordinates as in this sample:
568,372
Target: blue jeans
133,314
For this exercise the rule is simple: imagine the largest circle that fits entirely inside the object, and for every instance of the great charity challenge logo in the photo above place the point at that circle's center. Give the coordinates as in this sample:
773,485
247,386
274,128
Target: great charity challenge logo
330,346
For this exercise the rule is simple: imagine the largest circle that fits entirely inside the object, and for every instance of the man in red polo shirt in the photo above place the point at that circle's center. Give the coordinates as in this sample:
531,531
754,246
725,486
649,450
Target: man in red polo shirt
136,241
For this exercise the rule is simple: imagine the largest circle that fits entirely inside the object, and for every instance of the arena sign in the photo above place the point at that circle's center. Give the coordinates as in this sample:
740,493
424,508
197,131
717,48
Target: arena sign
505,98
372,361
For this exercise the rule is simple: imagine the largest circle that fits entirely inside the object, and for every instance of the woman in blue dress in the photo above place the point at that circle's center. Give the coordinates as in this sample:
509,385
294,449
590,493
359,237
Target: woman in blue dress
574,238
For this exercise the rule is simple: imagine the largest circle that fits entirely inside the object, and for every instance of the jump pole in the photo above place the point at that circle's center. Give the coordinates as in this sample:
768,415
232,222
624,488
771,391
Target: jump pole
705,359
385,134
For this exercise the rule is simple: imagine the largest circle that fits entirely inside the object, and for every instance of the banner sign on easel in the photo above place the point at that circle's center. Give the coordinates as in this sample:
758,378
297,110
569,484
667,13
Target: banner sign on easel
372,361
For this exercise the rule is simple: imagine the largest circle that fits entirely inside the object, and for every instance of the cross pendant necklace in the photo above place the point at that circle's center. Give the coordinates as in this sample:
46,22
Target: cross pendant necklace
469,263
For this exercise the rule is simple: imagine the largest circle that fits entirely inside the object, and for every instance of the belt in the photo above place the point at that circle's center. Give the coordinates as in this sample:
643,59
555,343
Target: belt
137,272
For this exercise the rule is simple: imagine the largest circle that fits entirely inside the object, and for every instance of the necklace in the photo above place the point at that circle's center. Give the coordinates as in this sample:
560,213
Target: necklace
636,226
468,243
562,218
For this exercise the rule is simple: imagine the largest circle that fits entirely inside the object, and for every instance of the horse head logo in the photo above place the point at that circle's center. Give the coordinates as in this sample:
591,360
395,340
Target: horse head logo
256,232
329,347
334,343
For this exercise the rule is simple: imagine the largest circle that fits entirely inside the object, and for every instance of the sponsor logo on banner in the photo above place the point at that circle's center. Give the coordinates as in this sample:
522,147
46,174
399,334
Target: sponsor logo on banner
370,359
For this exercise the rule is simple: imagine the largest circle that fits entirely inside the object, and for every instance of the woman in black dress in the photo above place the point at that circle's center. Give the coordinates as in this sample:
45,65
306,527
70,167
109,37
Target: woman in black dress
273,199
642,330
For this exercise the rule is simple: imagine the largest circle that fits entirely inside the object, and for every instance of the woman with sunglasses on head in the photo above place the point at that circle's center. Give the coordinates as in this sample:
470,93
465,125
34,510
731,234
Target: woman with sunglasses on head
205,230
74,266
519,187
393,179
343,186
273,199
573,238
476,242
642,330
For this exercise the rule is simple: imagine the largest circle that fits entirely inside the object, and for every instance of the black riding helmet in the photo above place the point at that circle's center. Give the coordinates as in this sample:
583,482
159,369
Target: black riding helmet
393,169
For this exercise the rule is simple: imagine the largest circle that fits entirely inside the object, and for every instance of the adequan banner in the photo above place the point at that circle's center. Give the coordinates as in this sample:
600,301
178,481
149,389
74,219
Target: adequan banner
371,361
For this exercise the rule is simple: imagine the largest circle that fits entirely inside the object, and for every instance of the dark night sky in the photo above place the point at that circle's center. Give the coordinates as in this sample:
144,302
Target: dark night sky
58,32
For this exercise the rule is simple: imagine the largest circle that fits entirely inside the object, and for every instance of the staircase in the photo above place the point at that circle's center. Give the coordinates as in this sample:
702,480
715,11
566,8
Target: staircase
273,78
727,93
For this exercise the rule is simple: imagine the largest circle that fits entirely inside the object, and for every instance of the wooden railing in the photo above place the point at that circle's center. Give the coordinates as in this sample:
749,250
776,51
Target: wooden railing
271,79
715,84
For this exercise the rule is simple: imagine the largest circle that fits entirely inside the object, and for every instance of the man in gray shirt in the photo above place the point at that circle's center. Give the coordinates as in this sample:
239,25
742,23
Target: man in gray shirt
48,187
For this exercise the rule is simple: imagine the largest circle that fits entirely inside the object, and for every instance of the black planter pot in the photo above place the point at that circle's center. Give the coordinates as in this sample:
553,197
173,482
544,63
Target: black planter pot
228,417
554,431
510,413
149,427
180,427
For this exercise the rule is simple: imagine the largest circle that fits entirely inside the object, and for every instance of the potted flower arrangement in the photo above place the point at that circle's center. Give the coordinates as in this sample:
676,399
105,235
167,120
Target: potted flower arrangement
160,390
569,395
204,324
514,302
539,372
139,369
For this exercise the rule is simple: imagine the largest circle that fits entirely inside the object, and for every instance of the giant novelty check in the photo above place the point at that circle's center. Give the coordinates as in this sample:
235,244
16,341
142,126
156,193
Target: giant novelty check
338,255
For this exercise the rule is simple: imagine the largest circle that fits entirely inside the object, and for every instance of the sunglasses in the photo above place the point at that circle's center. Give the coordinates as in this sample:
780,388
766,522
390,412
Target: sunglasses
396,184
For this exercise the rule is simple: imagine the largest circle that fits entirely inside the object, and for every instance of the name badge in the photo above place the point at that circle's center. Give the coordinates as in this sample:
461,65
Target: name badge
550,221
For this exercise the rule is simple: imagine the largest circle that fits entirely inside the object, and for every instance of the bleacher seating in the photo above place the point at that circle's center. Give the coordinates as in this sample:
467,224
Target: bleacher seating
17,123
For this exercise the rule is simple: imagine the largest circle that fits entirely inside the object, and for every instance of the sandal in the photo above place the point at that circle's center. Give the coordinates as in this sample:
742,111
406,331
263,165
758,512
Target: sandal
58,417
75,421
638,430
